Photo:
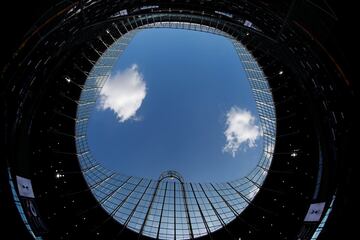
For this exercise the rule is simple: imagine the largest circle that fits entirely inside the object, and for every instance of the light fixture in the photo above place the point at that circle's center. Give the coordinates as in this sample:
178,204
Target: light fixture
58,175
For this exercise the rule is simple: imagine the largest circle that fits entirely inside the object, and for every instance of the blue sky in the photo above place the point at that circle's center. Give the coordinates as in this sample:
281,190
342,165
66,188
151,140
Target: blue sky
177,100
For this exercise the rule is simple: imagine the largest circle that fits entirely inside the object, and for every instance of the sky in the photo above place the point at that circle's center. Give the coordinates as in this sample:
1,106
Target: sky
177,100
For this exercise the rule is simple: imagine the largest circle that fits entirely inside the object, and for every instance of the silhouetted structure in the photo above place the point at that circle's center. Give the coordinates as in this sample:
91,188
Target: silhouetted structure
51,188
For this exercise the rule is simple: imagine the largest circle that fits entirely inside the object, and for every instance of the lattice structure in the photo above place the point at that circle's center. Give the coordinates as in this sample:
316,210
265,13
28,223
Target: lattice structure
164,208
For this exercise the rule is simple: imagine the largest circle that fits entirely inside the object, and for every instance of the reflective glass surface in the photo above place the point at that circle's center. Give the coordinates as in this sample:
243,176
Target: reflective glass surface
169,207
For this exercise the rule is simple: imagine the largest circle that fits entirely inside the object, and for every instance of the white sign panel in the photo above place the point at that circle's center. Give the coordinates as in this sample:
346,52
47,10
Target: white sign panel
315,212
25,187
123,12
247,23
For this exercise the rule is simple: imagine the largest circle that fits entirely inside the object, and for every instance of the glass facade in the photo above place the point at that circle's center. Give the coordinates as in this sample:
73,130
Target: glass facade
169,207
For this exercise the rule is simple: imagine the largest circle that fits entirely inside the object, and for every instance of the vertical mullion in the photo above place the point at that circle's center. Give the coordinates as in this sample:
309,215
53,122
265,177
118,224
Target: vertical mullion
132,212
226,202
174,211
187,210
212,206
162,209
149,209
201,213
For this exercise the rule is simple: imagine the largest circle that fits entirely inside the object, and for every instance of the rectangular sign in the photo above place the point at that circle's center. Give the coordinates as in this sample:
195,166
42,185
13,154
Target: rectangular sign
315,212
247,23
25,187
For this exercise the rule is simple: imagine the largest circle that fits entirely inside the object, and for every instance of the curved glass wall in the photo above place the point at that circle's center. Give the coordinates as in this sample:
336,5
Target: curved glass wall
168,207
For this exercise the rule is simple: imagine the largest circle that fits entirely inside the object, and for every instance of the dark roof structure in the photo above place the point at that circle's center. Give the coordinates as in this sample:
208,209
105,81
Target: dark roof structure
302,189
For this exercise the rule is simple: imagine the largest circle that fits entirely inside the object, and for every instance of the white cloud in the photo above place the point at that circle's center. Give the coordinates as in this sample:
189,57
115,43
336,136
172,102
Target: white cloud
124,93
241,130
